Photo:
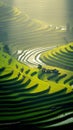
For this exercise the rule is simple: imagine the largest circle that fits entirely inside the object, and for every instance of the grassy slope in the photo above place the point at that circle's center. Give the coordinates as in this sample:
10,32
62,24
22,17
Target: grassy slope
26,98
34,79
61,62
65,57
16,70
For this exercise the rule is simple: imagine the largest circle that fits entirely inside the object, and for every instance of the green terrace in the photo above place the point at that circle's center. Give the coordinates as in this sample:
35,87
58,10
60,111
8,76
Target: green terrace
40,96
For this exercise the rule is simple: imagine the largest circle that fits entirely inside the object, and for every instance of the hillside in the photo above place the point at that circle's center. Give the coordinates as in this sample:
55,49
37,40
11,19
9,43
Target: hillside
42,97
60,57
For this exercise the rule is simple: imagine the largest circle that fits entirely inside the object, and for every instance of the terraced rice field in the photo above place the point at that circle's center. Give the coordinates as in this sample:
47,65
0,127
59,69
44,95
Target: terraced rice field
32,96
22,32
61,58
36,83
